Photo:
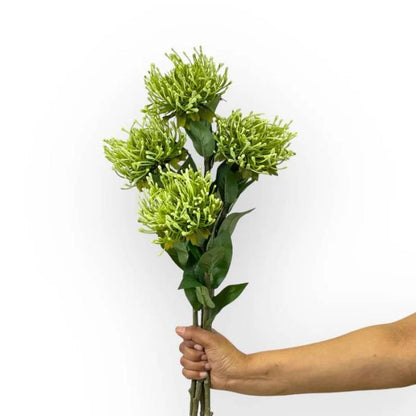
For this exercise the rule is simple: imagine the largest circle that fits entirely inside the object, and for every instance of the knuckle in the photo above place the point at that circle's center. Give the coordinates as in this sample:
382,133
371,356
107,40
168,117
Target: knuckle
182,360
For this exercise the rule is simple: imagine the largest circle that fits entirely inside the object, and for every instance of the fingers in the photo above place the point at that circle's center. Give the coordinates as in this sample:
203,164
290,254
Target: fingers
190,353
194,375
196,334
192,365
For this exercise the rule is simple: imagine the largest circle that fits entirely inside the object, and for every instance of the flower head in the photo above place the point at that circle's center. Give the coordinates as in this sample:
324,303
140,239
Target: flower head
255,144
179,207
192,87
152,144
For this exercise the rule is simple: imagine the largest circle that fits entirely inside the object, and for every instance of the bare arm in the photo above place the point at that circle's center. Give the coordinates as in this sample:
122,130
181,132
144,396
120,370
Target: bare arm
375,357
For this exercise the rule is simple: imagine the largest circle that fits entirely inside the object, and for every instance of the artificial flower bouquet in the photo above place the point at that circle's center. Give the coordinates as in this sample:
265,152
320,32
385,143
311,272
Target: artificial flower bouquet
188,206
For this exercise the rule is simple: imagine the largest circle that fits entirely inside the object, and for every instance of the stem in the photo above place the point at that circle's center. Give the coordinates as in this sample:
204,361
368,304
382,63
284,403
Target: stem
206,398
202,410
196,399
193,382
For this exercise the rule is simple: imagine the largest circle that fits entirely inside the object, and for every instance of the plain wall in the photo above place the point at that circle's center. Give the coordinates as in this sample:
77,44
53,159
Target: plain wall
88,308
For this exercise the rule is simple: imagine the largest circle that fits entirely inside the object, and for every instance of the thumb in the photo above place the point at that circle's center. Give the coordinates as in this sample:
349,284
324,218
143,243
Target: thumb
195,333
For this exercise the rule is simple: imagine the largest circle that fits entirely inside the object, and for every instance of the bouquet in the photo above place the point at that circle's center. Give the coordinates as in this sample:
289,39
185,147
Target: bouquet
187,205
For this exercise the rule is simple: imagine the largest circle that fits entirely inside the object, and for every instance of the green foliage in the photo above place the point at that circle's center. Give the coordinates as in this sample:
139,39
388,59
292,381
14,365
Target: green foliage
193,300
215,263
227,181
179,207
151,144
189,280
202,294
231,221
225,297
202,137
191,88
255,144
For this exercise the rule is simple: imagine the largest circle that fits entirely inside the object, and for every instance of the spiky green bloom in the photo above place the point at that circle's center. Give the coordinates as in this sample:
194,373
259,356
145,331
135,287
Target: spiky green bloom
190,87
151,144
254,143
179,207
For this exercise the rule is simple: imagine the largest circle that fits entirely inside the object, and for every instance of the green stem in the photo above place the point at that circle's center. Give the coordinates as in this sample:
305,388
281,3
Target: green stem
206,411
202,410
193,382
197,398
207,396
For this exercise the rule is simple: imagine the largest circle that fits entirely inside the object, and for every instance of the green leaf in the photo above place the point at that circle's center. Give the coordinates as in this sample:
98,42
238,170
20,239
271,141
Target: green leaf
227,181
226,296
194,251
206,113
189,280
182,252
191,296
214,103
231,221
210,258
202,137
174,256
217,260
189,162
202,294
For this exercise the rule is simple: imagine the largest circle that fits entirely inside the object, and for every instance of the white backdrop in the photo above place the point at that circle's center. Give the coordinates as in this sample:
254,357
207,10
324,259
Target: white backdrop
88,309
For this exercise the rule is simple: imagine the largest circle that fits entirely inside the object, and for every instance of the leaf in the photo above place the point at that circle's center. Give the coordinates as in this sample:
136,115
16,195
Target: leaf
220,269
202,294
216,261
227,181
214,103
225,297
189,162
194,251
191,296
174,256
202,137
206,113
182,252
210,258
189,280
231,221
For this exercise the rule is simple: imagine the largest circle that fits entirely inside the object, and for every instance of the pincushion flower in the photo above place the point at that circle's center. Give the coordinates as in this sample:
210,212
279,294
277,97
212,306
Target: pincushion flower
152,144
179,207
255,144
192,88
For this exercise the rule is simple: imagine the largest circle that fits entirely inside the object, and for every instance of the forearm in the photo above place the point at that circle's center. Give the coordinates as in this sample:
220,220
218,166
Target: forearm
375,357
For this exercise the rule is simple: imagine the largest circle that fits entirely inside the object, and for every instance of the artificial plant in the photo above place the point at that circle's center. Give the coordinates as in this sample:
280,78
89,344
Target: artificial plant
186,207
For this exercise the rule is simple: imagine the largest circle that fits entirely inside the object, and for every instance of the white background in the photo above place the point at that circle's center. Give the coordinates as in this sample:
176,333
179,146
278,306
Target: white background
88,309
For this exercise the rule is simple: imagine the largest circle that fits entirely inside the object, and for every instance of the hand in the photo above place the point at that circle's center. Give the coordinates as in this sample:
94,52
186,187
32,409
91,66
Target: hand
205,350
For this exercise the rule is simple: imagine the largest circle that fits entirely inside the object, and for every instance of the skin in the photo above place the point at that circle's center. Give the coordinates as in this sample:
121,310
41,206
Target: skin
376,357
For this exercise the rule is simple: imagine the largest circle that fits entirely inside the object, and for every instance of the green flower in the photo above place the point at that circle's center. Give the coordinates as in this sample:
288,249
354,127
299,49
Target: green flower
152,144
179,207
192,88
255,144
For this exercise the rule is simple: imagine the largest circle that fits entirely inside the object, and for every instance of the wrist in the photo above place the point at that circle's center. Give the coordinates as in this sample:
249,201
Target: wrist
260,375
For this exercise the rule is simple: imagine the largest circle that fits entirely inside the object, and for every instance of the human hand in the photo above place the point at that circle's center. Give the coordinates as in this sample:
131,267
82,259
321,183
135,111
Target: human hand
210,351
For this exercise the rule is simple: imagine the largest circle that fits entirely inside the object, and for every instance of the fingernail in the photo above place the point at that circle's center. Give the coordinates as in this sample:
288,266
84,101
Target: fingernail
203,357
198,347
208,366
180,329
203,374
